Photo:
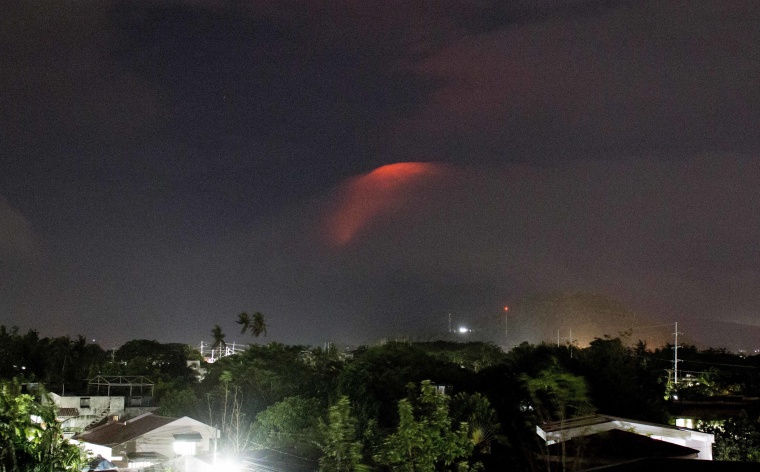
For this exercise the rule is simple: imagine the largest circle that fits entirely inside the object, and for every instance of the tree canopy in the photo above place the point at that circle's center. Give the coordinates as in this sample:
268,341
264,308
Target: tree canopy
30,437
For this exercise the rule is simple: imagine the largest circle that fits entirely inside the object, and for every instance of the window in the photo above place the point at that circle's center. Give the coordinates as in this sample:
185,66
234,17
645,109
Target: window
84,402
184,448
184,444
685,423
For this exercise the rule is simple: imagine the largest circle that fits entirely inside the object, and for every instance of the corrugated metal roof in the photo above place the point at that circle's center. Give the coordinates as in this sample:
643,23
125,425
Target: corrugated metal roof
111,434
591,420
68,412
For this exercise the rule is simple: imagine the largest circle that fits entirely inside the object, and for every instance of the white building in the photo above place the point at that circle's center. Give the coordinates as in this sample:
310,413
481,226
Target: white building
76,413
557,432
115,397
148,440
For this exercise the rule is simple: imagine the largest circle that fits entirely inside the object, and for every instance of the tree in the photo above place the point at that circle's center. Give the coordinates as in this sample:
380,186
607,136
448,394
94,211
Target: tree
289,424
255,324
426,439
244,319
176,401
30,437
268,374
377,378
559,395
474,356
218,336
57,362
258,327
225,411
476,411
340,449
737,439
619,382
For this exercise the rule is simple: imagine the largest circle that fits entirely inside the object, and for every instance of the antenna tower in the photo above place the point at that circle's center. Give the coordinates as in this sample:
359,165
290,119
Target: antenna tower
675,355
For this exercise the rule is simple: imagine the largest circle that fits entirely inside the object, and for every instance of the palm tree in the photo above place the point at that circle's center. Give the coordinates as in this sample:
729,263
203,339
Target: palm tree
258,327
255,324
245,320
218,338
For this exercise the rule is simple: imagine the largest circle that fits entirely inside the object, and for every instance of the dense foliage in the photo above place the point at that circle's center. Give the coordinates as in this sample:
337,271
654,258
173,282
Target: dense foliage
412,406
736,439
62,364
30,437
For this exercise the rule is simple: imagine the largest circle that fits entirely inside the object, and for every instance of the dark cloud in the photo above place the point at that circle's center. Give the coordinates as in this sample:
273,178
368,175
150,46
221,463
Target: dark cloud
643,79
630,230
62,85
471,240
18,241
22,257
178,161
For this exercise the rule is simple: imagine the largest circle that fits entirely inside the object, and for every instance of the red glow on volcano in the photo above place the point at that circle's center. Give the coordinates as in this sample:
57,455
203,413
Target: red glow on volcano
366,197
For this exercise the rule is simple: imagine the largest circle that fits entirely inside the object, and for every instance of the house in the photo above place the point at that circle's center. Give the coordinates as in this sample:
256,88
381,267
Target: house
609,440
78,413
108,397
149,439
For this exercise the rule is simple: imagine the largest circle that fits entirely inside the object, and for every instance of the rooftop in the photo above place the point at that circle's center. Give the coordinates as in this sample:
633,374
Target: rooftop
597,419
117,432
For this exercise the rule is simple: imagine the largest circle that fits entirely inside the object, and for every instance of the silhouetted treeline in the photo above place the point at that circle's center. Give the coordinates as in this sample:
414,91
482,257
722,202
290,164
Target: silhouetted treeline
64,364
284,397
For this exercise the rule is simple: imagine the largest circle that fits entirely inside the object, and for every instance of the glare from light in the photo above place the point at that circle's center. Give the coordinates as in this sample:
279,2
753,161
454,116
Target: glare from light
226,465
462,329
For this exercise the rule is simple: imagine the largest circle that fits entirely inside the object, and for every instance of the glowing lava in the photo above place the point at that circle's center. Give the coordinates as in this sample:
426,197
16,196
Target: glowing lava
363,199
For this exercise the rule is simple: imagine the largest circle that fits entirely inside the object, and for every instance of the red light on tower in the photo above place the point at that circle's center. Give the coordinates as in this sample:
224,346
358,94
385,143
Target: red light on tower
506,326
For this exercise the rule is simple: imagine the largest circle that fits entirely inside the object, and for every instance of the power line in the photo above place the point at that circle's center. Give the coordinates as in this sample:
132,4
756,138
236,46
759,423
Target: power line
695,362
652,326
725,365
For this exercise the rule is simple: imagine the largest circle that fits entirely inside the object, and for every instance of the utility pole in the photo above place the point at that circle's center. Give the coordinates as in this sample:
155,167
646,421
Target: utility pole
506,327
449,322
571,343
675,356
569,339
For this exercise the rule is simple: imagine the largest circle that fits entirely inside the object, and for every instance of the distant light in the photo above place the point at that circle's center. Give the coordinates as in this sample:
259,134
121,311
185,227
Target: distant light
462,329
506,308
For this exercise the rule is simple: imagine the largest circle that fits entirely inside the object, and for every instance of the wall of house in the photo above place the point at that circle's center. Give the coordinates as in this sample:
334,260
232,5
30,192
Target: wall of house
161,440
95,405
683,437
90,408
704,447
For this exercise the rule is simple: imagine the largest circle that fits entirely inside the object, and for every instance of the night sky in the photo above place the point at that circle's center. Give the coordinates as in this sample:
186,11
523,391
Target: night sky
358,170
